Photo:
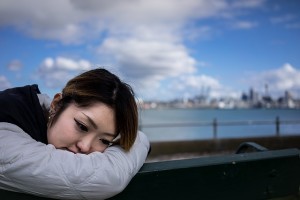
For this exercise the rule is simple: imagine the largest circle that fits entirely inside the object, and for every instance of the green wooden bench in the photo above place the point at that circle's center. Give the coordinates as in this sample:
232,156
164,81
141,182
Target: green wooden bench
262,174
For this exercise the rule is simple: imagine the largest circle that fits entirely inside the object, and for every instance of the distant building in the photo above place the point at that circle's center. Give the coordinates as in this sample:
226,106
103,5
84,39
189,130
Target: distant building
250,100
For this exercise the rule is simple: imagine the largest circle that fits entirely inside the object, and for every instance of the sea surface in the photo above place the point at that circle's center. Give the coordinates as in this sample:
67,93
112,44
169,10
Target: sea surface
182,124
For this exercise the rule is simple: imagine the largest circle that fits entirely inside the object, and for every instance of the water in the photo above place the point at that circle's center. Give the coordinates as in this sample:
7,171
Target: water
207,115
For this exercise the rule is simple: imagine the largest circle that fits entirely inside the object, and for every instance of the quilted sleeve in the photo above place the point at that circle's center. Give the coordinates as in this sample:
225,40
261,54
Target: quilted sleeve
32,167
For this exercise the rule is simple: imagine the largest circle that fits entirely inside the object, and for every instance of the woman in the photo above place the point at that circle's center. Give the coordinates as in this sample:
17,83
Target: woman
94,119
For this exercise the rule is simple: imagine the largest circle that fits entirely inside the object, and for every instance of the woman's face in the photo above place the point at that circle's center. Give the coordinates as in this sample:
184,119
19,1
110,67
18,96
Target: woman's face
83,130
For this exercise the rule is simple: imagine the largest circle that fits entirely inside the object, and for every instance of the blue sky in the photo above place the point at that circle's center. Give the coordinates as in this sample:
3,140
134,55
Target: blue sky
164,49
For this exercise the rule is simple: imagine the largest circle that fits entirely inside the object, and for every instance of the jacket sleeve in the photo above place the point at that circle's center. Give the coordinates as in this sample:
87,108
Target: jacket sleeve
32,167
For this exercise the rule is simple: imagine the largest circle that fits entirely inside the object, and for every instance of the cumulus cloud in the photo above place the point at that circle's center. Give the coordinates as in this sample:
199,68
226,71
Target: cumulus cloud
4,83
145,39
41,20
148,59
75,21
190,86
202,85
285,78
55,72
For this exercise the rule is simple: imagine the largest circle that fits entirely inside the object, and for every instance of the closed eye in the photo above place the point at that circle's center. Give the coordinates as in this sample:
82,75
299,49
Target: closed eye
81,126
106,142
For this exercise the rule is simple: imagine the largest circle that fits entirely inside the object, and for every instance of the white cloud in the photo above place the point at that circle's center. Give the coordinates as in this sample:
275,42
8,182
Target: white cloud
285,78
243,25
189,86
157,57
4,83
293,26
201,85
55,20
56,72
199,82
151,12
76,21
145,39
289,21
62,63
148,61
14,65
283,19
247,3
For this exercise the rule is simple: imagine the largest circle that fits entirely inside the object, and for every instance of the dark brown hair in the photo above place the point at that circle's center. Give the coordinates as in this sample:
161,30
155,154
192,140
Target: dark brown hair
100,85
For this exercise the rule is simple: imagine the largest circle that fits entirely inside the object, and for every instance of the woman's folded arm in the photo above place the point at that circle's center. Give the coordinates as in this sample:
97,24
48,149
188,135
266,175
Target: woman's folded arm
35,168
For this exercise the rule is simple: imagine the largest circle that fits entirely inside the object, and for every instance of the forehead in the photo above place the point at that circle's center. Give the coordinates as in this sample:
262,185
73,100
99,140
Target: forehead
96,107
101,114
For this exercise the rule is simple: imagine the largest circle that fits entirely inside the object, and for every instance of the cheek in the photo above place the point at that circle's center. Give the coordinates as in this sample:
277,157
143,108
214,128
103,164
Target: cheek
54,136
51,136
61,135
99,148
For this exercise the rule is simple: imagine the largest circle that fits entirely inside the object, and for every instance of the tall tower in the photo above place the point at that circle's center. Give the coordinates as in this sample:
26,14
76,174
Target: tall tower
266,90
251,94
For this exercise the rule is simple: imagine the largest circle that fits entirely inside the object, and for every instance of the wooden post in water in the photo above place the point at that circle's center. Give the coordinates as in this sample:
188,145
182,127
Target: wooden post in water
277,124
215,126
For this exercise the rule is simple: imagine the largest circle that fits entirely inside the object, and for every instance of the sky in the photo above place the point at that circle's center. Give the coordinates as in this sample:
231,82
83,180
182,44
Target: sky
165,49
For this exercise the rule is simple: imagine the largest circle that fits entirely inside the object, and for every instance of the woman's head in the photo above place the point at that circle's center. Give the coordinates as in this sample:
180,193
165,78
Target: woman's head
95,96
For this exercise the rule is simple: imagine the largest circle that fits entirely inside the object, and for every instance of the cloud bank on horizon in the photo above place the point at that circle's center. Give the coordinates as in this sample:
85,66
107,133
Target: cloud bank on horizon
164,49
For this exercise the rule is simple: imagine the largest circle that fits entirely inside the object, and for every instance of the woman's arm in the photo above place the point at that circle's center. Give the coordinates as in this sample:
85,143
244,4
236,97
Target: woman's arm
35,168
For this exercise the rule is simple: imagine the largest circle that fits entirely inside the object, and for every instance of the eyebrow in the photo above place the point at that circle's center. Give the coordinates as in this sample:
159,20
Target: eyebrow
91,121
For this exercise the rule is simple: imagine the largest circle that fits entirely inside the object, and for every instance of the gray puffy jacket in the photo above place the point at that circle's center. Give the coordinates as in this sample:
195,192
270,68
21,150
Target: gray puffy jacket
32,167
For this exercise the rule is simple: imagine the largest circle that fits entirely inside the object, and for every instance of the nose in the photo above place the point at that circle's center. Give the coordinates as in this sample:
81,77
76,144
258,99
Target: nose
84,145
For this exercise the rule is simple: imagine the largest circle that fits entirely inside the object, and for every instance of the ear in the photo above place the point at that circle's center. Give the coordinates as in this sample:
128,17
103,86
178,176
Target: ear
57,97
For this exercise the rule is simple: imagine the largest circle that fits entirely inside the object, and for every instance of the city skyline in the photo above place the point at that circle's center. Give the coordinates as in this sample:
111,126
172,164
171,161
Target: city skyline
251,99
165,49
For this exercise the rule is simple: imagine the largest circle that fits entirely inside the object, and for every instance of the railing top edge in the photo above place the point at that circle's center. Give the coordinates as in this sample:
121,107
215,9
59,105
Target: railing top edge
220,159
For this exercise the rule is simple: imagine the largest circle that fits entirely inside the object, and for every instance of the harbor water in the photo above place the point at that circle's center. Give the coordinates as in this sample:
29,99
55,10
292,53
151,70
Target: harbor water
182,123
